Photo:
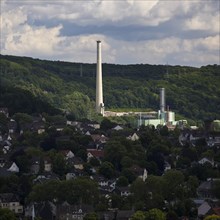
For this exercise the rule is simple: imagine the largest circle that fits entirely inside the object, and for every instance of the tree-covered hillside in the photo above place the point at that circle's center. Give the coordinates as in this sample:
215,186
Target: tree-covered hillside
191,92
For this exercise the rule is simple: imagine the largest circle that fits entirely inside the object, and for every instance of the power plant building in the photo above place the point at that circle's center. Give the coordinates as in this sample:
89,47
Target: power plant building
164,117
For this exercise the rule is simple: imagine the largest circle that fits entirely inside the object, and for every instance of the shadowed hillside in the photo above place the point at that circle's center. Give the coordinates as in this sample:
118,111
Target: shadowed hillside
191,92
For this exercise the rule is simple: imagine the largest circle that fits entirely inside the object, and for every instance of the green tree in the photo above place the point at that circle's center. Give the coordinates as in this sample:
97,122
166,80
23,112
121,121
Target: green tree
59,164
22,119
55,119
3,123
44,192
126,162
114,152
106,124
129,175
171,215
43,82
107,170
139,215
122,181
174,182
212,217
9,184
6,214
116,201
94,162
79,190
164,131
91,216
139,189
155,214
156,185
192,185
216,189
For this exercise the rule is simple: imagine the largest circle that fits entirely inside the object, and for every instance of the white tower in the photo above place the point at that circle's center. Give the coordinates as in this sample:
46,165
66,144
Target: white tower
162,113
99,91
162,100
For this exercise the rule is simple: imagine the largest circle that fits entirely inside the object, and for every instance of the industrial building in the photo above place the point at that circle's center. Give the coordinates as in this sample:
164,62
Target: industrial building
163,117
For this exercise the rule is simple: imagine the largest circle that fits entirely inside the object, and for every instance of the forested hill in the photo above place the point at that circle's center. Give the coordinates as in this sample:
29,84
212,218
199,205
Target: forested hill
191,92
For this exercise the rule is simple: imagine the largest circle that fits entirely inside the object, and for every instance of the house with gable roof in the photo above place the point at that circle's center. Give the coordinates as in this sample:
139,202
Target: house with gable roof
123,191
13,168
205,160
124,214
94,153
99,139
70,175
47,164
213,140
133,137
4,111
94,125
205,189
12,126
68,154
12,202
2,162
204,209
35,165
43,210
118,128
73,212
139,172
38,126
44,177
76,162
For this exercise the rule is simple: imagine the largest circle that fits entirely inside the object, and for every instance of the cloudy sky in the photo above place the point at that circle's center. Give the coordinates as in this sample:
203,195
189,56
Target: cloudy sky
178,32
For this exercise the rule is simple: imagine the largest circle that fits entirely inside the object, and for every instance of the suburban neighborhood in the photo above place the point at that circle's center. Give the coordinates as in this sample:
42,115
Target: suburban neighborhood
52,167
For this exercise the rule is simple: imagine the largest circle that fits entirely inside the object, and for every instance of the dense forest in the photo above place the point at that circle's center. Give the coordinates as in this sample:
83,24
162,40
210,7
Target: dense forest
50,85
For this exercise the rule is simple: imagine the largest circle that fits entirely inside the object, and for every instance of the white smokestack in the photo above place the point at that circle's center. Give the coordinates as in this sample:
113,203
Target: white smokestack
162,100
99,90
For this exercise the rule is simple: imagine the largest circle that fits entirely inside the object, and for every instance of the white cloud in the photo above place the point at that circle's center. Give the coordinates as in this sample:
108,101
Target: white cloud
130,12
206,17
210,43
12,19
20,34
173,50
204,22
33,41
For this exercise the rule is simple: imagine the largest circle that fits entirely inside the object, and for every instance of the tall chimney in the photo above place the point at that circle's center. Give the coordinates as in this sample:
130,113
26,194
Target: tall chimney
99,90
162,100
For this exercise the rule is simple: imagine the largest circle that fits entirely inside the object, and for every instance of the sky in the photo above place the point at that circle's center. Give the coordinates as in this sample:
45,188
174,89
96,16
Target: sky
174,32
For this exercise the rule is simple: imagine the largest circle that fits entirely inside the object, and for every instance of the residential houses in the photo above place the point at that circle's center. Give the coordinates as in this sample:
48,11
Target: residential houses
12,202
41,166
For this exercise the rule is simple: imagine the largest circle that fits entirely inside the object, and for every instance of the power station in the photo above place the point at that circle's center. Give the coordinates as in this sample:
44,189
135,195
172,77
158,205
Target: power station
163,117
99,90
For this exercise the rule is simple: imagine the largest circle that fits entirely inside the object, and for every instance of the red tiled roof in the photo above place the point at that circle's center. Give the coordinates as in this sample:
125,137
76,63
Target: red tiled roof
96,153
217,211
